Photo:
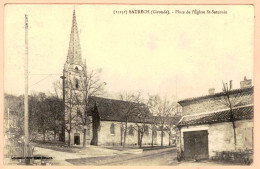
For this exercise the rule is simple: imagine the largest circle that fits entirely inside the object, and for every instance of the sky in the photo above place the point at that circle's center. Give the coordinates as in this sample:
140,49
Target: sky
175,54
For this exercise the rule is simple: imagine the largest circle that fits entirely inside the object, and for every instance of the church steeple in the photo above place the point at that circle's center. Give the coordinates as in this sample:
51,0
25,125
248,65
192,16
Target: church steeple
74,52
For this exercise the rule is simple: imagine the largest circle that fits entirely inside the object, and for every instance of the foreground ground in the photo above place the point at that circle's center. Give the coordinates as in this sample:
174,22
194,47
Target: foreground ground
158,157
92,155
112,156
165,156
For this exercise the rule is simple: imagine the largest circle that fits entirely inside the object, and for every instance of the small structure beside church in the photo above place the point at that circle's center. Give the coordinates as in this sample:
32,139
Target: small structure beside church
206,128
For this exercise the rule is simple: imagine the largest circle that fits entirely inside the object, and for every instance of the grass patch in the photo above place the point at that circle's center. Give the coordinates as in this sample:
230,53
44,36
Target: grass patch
57,146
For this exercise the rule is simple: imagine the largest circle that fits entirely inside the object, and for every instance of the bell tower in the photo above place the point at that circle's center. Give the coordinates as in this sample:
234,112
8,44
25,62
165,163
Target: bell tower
74,67
74,70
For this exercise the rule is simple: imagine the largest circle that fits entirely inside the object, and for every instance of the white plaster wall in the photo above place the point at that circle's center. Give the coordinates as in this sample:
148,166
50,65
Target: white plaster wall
106,138
221,136
80,131
104,135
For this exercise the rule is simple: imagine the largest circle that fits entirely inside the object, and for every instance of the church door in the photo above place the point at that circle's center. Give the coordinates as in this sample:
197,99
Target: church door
77,139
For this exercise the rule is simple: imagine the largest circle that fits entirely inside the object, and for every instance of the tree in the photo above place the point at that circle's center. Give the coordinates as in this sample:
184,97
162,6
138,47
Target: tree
230,100
78,92
59,94
13,124
57,87
33,116
129,106
89,86
171,122
154,128
153,118
14,121
54,111
71,107
161,108
44,114
143,119
39,114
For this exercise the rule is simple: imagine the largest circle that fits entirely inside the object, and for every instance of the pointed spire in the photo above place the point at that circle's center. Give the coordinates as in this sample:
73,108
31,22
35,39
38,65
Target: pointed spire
74,53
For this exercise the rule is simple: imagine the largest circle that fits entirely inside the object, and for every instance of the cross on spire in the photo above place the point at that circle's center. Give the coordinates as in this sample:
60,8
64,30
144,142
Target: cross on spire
74,52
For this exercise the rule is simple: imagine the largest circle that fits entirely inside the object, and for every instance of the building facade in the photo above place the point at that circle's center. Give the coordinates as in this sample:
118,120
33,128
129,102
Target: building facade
206,127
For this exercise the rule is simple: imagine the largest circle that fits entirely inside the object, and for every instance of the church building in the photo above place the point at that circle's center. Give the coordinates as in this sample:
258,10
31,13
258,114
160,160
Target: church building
105,122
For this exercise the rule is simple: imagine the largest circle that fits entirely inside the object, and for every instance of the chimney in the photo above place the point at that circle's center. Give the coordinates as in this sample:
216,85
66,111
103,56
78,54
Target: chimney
211,91
246,83
230,87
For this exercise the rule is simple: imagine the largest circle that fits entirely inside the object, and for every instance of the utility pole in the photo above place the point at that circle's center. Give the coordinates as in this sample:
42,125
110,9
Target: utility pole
177,96
26,114
63,77
8,118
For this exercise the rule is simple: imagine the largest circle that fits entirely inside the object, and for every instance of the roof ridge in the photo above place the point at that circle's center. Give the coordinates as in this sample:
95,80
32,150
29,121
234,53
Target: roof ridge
220,110
114,99
240,113
219,93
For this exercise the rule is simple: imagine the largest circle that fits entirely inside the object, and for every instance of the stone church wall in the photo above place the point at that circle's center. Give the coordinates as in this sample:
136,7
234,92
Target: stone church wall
105,137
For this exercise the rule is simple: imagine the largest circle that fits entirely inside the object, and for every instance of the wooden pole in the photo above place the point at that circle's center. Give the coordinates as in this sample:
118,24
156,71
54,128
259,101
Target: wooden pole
8,118
63,77
26,114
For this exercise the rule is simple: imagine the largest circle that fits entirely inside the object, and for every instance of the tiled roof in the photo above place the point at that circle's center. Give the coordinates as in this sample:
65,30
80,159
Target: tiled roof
240,113
114,110
235,91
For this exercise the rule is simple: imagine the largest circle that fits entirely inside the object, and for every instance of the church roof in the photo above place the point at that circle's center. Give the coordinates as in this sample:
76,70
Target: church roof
240,113
115,110
74,52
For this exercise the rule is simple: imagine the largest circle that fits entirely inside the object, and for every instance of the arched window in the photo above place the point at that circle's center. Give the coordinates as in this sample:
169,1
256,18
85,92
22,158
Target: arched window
76,68
154,133
131,130
88,130
112,128
77,83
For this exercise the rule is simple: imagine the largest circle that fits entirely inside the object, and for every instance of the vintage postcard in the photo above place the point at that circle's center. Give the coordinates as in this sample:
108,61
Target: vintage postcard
135,85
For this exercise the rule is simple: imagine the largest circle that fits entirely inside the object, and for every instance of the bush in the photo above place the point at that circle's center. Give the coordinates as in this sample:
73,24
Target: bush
241,157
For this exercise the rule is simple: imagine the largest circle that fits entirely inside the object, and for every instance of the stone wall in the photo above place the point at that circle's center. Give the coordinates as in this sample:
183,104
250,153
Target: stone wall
221,137
79,131
213,104
105,137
